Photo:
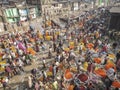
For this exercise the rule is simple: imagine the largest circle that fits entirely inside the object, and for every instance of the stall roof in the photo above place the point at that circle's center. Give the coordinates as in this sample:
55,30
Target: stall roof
115,10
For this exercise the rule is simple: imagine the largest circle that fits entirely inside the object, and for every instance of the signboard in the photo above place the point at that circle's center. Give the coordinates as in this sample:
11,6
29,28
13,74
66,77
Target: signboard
23,12
8,13
15,12
32,13
11,12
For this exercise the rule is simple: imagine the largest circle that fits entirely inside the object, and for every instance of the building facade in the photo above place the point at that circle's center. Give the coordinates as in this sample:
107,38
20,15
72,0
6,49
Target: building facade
13,14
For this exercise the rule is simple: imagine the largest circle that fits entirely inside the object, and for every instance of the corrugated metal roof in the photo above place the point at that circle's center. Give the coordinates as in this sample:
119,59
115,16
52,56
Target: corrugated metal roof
115,10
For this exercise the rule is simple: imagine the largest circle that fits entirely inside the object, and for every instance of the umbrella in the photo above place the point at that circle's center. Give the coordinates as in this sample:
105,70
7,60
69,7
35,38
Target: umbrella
31,51
81,43
111,56
3,62
101,72
0,57
57,33
71,43
49,73
110,65
97,34
68,75
90,45
71,47
40,35
48,38
66,49
97,60
116,84
85,66
67,70
13,48
2,69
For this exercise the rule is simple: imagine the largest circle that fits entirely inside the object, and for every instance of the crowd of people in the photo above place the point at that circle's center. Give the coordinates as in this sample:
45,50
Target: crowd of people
83,56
